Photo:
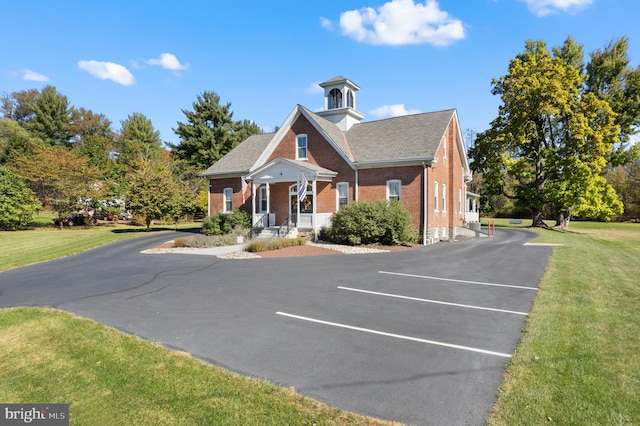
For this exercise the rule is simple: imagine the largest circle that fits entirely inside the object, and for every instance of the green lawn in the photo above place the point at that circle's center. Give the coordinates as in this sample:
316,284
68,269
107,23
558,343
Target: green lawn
46,242
109,378
578,362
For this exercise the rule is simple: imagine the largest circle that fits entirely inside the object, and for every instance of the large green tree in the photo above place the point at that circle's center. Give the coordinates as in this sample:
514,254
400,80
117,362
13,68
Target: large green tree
611,78
154,194
15,140
210,131
60,178
51,118
138,142
18,204
551,136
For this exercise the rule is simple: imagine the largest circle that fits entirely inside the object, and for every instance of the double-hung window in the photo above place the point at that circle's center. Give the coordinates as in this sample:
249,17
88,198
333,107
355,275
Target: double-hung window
393,190
301,143
435,196
343,193
228,200
444,198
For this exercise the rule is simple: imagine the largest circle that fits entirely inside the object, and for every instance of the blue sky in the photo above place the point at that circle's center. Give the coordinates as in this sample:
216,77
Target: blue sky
407,56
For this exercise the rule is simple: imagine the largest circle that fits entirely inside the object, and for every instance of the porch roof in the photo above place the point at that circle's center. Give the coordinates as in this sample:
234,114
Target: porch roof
285,170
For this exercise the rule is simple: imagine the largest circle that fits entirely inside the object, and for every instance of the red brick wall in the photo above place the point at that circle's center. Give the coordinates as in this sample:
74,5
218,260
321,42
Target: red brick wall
448,171
216,194
372,186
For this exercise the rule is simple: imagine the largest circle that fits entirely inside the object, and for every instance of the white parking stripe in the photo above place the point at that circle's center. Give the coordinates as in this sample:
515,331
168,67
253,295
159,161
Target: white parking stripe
397,336
438,302
426,277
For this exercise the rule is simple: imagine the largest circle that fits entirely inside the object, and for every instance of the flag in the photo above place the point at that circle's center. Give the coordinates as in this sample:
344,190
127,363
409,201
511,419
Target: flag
302,189
244,189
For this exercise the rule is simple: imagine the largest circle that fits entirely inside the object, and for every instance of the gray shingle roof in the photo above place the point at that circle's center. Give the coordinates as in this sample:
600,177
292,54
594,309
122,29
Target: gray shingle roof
406,137
409,137
242,158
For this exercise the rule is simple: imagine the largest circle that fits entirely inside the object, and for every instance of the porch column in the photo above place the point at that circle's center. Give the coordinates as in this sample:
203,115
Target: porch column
253,204
313,217
268,195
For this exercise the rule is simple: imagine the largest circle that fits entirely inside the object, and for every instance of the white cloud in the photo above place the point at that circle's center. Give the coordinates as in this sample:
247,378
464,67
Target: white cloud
108,71
548,7
168,61
400,22
396,110
34,76
314,89
326,23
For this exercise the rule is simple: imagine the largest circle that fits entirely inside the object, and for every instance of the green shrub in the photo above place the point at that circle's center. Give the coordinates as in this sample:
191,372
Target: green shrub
366,222
225,223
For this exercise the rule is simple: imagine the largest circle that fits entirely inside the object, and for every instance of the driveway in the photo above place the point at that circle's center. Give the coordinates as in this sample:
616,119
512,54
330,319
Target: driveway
419,336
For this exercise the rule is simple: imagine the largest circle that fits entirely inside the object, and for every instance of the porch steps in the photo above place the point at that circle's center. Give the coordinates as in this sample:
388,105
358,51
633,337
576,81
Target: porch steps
271,233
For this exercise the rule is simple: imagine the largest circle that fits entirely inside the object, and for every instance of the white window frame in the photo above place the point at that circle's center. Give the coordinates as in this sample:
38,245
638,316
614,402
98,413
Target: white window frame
306,147
262,199
393,182
436,188
345,187
444,147
227,206
444,198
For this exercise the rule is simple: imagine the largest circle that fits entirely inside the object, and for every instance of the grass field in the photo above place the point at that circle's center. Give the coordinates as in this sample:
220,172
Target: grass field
109,378
46,242
578,362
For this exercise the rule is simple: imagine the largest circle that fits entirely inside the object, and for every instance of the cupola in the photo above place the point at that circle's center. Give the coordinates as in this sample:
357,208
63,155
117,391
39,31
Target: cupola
340,103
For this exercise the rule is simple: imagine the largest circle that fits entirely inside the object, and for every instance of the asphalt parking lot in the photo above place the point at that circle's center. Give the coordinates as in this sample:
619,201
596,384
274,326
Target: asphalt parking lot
419,336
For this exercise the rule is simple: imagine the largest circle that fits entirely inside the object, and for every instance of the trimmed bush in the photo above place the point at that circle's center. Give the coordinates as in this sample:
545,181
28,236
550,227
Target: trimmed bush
366,222
258,246
225,223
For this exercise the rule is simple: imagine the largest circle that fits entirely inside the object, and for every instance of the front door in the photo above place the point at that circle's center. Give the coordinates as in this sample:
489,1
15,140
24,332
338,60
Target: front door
306,207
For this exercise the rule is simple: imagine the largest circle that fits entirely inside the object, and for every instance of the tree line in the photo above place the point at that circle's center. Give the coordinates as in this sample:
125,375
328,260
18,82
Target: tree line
54,155
561,145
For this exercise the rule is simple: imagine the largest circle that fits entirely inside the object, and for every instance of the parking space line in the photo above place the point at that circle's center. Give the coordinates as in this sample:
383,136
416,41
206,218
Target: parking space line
426,277
397,336
438,302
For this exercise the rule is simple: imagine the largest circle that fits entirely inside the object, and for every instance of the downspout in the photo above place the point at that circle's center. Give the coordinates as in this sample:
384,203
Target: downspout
209,198
425,225
356,186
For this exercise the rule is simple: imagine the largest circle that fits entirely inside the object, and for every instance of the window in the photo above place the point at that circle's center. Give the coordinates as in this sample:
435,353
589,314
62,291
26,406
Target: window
335,99
444,148
435,196
350,99
301,142
444,198
228,200
342,193
459,200
393,190
262,196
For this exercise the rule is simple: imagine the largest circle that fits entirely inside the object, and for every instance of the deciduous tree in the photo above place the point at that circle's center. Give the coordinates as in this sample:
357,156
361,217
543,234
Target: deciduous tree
551,136
18,204
153,193
59,178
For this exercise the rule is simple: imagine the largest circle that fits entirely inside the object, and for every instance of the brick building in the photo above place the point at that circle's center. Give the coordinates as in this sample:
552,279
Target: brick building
418,159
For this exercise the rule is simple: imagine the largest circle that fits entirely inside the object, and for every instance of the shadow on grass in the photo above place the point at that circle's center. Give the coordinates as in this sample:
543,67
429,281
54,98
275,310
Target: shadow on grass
142,230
